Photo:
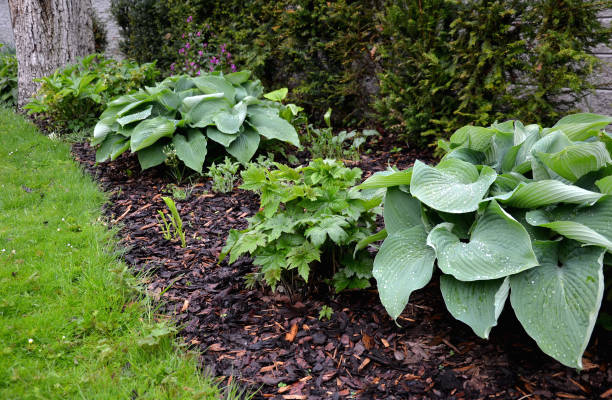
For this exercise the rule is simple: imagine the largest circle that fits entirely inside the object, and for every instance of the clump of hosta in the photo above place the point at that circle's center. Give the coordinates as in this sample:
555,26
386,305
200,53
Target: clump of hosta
308,226
186,113
511,211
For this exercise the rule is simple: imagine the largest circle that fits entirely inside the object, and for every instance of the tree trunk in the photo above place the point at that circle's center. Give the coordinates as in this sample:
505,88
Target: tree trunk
48,34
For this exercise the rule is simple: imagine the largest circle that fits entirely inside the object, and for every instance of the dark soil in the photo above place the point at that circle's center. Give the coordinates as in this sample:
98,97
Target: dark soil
277,344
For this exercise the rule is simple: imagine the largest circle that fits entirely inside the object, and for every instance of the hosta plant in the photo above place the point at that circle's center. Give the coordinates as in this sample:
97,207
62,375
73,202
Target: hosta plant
511,211
187,114
309,222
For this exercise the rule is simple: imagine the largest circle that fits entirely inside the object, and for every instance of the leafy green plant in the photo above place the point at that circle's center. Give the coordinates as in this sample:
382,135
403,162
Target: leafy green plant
309,223
188,114
171,227
323,143
8,78
511,211
74,96
325,313
223,175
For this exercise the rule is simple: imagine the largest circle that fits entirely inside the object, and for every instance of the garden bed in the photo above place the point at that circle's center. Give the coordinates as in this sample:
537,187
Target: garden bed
276,343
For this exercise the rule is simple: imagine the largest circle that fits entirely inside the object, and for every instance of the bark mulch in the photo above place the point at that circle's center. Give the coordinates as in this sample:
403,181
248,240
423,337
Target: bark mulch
276,343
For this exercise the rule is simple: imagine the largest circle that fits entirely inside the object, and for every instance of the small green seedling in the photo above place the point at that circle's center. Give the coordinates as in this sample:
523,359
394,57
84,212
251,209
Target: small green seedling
172,227
223,175
326,313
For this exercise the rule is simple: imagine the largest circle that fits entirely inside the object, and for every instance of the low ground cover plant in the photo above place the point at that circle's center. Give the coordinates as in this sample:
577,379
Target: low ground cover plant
74,96
190,116
343,145
511,211
308,225
223,175
8,77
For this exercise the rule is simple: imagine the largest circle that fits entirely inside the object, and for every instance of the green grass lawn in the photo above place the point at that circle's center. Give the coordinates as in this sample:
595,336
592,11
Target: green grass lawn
73,322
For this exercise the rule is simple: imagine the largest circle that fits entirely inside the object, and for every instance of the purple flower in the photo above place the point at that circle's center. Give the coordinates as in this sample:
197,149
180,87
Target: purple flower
214,60
204,44
211,68
189,18
183,36
199,72
192,63
172,67
181,50
200,53
198,34
228,55
233,67
223,48
187,45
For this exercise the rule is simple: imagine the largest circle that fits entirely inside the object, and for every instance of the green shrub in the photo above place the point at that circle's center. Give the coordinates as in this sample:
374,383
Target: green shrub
8,78
510,211
447,63
74,96
181,114
308,225
320,49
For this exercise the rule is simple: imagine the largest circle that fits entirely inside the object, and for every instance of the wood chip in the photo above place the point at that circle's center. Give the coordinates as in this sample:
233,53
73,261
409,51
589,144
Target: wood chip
129,207
585,390
384,342
185,305
269,368
569,395
294,396
363,364
290,336
216,347
606,394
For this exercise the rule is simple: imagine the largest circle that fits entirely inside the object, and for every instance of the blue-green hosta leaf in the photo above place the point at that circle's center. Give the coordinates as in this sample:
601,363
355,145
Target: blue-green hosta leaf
330,226
499,246
272,126
384,179
253,88
238,78
277,95
112,147
546,192
403,264
580,127
222,138
191,150
149,131
245,146
199,111
557,302
401,210
210,84
605,184
230,121
129,107
453,186
139,116
590,225
468,155
102,130
576,160
478,304
152,155
473,137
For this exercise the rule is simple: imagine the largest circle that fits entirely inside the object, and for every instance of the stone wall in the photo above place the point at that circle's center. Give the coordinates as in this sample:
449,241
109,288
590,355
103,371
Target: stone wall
601,101
6,29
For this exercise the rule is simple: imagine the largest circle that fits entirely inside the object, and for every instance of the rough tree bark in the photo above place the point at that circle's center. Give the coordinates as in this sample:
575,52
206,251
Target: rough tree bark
48,34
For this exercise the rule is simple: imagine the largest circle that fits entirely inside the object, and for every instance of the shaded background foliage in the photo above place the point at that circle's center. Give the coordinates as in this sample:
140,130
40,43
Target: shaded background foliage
421,69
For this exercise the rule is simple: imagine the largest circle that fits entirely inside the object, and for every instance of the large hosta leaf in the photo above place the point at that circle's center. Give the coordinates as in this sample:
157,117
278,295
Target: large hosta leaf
245,146
546,192
605,184
557,302
210,84
112,147
454,186
201,110
401,210
152,155
139,116
577,160
474,137
385,179
499,246
272,126
230,121
102,130
477,304
191,150
222,138
581,126
589,225
149,131
403,264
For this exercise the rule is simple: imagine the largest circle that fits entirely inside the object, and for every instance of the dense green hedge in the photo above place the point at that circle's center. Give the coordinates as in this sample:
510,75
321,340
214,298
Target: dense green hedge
440,64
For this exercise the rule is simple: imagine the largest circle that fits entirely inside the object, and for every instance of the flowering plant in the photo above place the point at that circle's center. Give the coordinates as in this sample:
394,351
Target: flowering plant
197,55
